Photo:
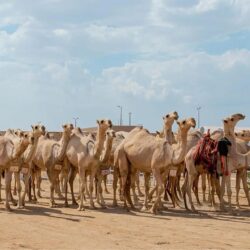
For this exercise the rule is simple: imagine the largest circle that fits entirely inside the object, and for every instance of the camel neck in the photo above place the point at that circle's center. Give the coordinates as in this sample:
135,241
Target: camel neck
63,145
168,135
30,151
100,138
107,150
179,152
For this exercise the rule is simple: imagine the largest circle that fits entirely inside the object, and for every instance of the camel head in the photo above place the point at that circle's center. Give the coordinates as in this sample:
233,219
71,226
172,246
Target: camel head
104,124
18,132
169,119
110,133
29,138
185,125
231,121
38,130
67,128
243,135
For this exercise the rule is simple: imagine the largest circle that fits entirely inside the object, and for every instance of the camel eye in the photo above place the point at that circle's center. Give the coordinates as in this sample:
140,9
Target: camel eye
36,127
167,116
232,119
183,122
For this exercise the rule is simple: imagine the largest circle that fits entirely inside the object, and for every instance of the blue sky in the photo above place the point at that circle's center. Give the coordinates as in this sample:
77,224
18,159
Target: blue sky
61,59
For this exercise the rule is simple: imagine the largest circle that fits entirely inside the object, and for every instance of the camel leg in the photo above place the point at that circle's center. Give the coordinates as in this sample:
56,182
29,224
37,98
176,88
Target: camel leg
160,190
82,187
147,186
65,179
15,186
151,193
33,177
100,199
8,175
229,191
137,179
26,179
57,184
203,183
133,181
38,176
19,189
91,188
245,185
191,179
184,191
72,175
179,187
115,181
1,185
52,179
222,192
105,179
209,199
196,189
238,178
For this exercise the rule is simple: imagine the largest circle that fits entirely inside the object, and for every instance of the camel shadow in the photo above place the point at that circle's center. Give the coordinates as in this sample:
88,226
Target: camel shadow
56,213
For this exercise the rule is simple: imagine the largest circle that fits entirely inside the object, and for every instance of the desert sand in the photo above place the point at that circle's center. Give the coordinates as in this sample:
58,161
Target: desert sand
40,227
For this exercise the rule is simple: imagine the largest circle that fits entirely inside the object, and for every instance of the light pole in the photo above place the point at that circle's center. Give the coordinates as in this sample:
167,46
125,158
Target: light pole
198,112
75,119
120,107
129,118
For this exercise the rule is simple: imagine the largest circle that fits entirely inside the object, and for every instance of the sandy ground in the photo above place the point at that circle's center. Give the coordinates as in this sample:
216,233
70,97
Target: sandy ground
40,227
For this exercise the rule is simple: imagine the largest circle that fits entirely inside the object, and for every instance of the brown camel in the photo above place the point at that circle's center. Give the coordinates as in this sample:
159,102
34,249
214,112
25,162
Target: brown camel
49,156
142,151
12,147
235,161
84,155
242,138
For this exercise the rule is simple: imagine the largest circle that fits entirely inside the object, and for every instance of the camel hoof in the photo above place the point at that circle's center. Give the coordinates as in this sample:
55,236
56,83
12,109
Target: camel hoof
93,207
14,203
14,193
107,192
8,208
81,208
66,204
53,205
61,197
115,204
74,203
144,209
141,195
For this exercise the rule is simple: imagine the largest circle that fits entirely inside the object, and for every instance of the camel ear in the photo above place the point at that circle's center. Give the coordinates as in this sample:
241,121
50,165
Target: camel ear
225,121
97,121
64,126
32,127
157,132
178,123
163,118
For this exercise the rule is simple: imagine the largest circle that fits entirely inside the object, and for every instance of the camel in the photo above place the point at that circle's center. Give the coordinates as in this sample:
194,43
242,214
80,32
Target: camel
142,151
12,147
49,156
242,138
25,160
166,134
235,161
83,155
104,160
